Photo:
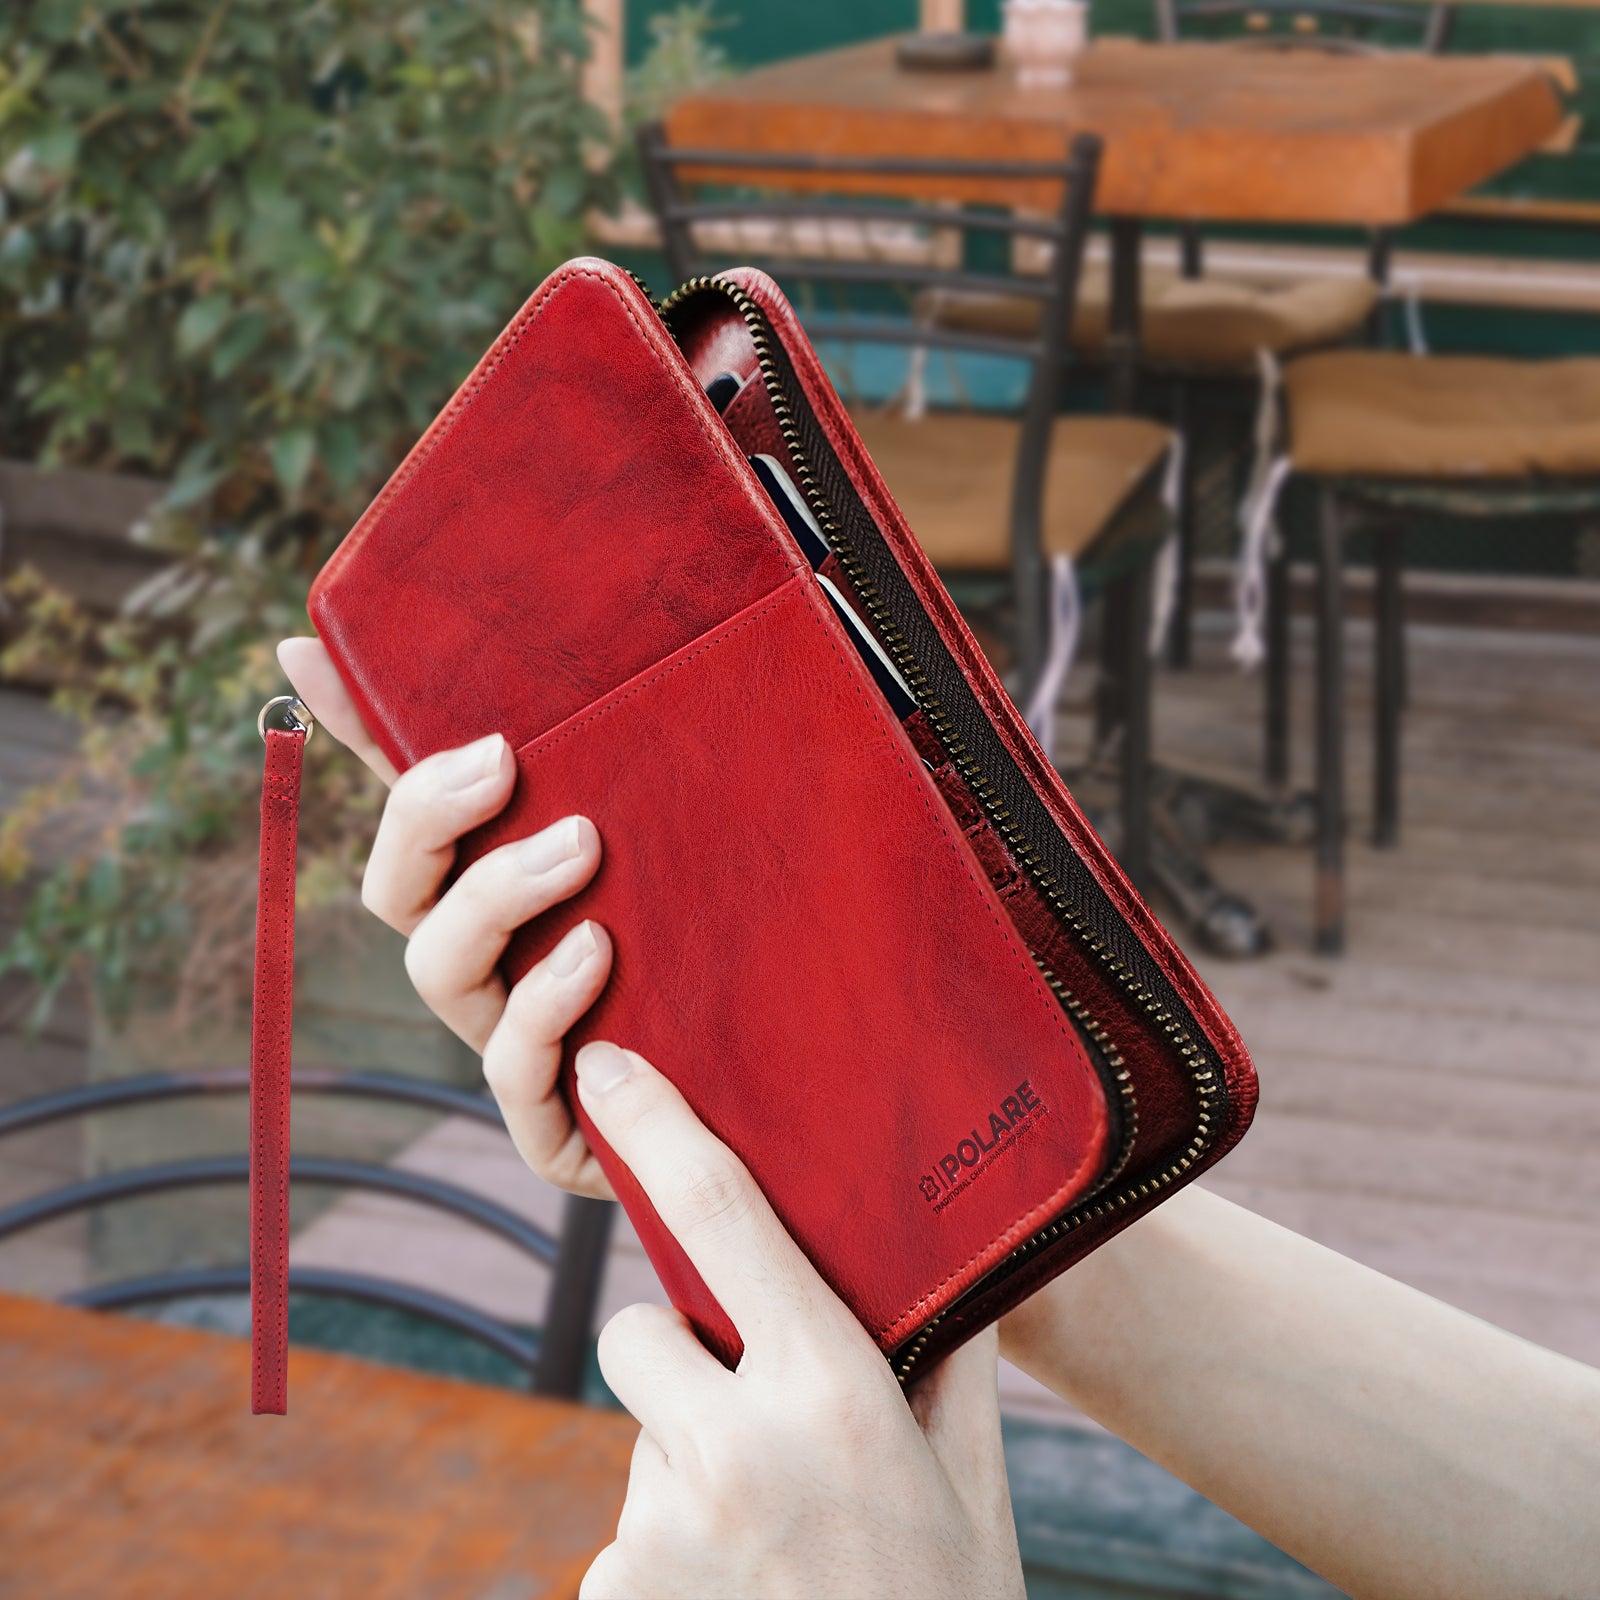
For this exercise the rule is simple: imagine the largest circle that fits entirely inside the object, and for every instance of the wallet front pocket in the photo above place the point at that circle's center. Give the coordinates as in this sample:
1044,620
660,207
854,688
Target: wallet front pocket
850,1008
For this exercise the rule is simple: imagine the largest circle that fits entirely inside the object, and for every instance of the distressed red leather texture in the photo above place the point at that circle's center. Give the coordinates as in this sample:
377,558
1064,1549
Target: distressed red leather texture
1163,1074
271,1027
578,555
820,936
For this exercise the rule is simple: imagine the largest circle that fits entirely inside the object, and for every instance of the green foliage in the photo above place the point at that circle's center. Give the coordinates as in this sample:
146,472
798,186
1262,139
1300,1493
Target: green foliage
151,827
681,57
249,246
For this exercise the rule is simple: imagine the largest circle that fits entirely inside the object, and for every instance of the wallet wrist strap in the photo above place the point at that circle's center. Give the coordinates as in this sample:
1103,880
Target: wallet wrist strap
271,1029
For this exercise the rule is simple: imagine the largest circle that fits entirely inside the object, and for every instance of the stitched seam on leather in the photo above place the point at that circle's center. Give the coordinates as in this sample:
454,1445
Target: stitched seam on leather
1021,1229
495,356
1213,1023
869,483
280,1111
280,816
707,641
946,825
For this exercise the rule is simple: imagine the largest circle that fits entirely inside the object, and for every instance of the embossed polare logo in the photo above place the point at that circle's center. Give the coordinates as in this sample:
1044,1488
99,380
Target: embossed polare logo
986,1143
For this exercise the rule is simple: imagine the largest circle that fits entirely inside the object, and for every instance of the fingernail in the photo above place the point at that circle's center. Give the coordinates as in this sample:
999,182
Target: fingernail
559,842
472,762
602,1066
574,950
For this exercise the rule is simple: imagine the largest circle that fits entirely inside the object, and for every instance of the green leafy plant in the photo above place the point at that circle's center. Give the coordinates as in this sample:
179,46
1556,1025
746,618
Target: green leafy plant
681,57
248,246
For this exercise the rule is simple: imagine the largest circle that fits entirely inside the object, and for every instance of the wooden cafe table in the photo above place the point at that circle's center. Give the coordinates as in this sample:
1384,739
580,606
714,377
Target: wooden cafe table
131,1469
1193,132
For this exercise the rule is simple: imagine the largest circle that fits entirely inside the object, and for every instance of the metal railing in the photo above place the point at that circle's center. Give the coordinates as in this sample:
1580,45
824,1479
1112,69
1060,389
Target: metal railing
554,1363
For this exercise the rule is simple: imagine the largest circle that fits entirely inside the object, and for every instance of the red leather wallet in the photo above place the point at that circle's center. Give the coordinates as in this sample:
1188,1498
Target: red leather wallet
886,960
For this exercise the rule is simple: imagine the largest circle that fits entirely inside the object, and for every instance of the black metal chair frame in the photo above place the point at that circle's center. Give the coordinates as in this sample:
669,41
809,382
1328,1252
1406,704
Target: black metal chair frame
1432,25
1125,582
1384,507
555,1365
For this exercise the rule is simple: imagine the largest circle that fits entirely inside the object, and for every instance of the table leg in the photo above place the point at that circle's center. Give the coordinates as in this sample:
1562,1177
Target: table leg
574,1294
1223,921
1179,628
1390,635
1122,342
1276,688
1136,729
1111,683
1329,891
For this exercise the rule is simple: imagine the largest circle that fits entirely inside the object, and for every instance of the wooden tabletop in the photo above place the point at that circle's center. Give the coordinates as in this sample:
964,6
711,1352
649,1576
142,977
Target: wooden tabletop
1206,131
131,1467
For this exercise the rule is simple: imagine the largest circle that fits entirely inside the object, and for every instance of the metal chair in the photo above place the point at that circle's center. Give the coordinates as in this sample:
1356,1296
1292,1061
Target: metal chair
1314,314
1389,438
1200,339
1001,503
554,1363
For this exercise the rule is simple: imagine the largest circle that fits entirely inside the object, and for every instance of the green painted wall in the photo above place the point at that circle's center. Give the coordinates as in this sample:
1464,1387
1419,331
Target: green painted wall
754,33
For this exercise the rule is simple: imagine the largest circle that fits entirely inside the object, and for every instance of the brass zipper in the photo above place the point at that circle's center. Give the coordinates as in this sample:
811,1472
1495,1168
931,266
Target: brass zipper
1202,1073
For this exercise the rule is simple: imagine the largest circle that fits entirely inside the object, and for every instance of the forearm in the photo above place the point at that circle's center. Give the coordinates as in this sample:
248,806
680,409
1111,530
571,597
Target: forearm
1394,1444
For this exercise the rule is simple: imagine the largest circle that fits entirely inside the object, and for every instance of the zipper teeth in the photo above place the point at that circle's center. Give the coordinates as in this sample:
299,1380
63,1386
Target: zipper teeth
644,289
1121,1078
1202,1072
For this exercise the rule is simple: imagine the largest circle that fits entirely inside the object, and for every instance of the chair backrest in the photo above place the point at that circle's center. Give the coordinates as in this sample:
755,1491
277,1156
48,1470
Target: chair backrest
870,225
1314,24
555,1365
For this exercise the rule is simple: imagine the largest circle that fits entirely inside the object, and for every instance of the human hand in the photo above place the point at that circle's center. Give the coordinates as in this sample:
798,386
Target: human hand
455,938
806,1471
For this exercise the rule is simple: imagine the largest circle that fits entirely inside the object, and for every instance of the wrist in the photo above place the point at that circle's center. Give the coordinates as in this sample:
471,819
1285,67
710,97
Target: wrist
1073,1335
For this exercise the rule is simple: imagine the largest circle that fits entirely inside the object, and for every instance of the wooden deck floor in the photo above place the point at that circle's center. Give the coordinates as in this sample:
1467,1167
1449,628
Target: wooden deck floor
1430,1102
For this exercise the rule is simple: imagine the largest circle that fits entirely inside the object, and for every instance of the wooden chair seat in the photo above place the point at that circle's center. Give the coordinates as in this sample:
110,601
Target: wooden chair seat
1185,322
951,474
1385,414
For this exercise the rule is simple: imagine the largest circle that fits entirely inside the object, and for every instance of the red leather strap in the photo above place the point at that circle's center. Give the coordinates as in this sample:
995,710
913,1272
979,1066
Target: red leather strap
272,1023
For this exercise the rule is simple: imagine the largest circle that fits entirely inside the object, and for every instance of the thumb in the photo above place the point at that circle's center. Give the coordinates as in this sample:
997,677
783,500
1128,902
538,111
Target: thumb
957,1406
308,666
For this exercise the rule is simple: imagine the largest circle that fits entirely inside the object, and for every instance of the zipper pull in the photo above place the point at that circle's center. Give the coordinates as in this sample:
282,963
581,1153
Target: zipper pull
284,725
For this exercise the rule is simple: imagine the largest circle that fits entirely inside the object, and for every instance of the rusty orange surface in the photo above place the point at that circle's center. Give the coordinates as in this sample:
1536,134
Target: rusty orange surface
1203,131
131,1469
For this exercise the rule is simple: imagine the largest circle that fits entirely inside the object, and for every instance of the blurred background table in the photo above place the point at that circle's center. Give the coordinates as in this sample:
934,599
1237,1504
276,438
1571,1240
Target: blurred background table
1193,132
131,1466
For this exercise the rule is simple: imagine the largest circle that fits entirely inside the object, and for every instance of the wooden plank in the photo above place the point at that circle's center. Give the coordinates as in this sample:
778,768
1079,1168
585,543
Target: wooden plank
1507,1105
1524,1176
129,1465
1520,208
1497,601
1455,1240
105,503
1525,1053
1192,130
1434,276
1511,998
